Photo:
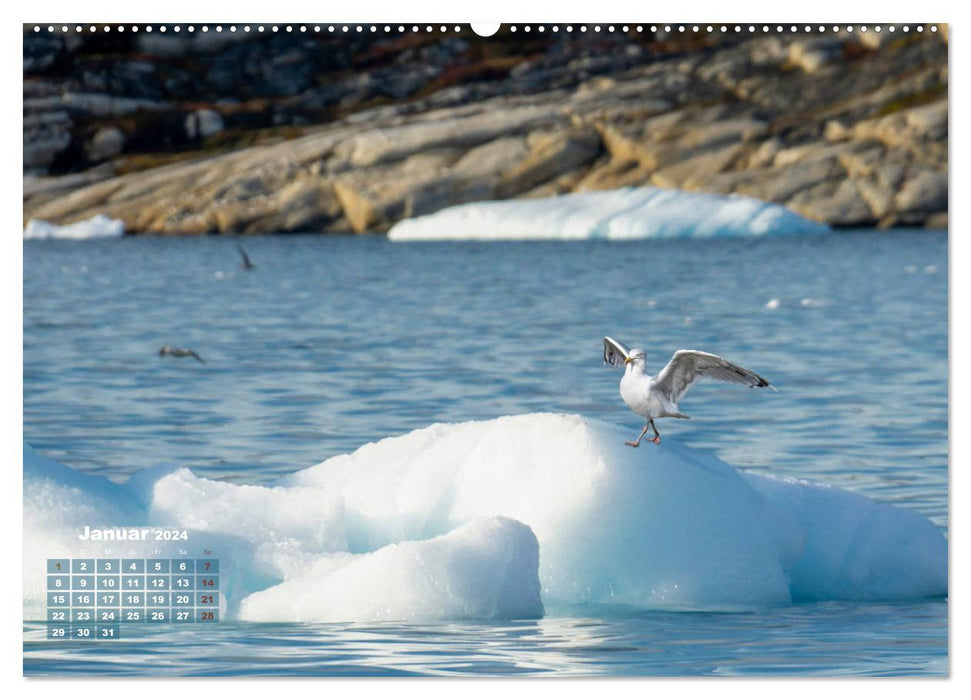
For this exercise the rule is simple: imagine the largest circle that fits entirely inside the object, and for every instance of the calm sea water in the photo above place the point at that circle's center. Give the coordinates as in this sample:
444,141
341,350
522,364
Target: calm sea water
332,342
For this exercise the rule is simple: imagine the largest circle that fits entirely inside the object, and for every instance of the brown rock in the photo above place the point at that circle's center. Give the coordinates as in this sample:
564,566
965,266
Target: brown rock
924,192
552,156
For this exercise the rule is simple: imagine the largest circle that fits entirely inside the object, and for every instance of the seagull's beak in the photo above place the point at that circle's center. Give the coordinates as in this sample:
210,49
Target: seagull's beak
628,360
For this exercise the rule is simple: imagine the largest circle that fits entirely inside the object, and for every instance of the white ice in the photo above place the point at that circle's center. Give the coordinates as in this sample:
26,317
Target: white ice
447,522
484,569
626,213
99,226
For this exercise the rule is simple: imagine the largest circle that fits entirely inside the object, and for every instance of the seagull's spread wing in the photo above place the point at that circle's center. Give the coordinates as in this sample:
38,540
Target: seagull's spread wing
615,353
246,260
688,366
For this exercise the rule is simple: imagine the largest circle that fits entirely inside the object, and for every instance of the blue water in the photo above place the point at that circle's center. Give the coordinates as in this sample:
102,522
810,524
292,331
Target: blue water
332,342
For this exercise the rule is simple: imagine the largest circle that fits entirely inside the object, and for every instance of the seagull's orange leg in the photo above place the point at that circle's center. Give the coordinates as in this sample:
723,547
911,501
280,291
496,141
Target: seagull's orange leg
638,440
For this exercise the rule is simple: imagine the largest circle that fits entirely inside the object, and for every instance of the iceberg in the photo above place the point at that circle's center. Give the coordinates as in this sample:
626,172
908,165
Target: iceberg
485,569
620,214
99,226
499,518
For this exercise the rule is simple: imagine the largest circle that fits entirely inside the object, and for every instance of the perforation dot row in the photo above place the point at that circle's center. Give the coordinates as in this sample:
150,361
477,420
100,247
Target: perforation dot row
361,28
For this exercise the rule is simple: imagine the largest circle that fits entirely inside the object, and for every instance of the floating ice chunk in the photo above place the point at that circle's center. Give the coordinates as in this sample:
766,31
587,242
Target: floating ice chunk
484,569
58,503
626,213
772,304
310,519
667,526
99,226
407,528
857,548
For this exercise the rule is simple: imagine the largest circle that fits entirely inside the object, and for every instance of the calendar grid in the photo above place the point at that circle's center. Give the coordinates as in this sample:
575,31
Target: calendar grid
93,599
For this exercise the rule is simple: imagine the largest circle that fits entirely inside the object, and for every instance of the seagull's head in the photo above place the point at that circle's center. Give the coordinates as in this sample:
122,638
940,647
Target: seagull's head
637,358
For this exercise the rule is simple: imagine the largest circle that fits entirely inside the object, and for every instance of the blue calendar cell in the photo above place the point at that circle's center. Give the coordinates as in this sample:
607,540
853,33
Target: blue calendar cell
82,566
132,583
207,566
107,599
183,599
133,566
56,599
204,598
205,615
58,614
82,599
82,615
109,566
133,599
158,566
187,615
108,583
207,583
108,615
58,631
58,566
107,632
158,614
59,583
158,583
183,566
133,615
82,631
158,599
183,583
82,583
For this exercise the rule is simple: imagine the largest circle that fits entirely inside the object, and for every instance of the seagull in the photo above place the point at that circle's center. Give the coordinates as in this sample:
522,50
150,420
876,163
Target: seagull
246,264
179,352
658,396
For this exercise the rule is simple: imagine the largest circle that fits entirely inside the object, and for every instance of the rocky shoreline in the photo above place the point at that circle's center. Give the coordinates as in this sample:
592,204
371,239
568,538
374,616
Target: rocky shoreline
300,133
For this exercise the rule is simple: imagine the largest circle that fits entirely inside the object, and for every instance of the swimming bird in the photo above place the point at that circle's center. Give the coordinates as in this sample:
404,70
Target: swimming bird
658,396
179,352
246,264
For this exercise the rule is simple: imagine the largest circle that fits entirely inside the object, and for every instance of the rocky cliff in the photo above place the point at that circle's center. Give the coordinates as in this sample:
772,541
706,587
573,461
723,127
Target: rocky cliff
252,133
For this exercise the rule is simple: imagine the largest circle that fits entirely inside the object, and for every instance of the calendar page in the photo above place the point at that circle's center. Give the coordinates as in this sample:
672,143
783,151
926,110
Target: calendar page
518,349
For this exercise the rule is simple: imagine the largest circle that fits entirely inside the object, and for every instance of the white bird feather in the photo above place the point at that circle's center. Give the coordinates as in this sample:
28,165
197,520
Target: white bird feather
659,396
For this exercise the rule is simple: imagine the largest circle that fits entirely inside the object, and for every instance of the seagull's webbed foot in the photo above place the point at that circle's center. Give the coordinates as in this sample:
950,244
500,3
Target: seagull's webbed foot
638,440
656,439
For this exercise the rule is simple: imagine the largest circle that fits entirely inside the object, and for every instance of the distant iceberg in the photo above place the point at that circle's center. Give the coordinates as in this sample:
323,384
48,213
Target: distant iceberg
99,226
494,520
627,213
